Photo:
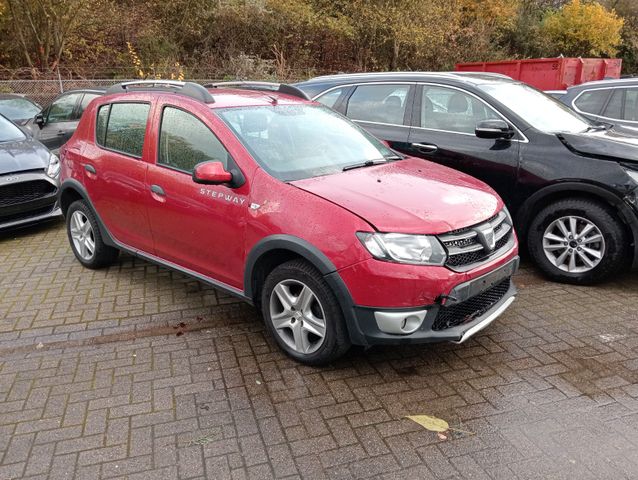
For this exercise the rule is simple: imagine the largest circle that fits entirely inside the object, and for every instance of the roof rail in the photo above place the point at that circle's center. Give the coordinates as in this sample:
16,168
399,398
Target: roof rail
189,89
263,86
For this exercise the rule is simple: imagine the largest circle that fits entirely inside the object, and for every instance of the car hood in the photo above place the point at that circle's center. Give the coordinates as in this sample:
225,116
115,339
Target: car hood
618,143
23,155
408,196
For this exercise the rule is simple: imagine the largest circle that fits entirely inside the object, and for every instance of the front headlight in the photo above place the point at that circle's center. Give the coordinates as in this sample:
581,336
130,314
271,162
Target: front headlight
404,248
53,170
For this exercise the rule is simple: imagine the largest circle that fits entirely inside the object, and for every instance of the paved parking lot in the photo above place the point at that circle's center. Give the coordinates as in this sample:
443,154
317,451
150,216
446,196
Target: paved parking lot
136,372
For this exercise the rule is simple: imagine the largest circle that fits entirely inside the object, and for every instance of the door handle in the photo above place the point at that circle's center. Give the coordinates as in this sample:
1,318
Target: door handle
425,147
61,133
157,190
90,169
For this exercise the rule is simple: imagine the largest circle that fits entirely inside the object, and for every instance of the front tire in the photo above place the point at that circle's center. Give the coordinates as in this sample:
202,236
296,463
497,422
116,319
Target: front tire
577,241
303,315
85,237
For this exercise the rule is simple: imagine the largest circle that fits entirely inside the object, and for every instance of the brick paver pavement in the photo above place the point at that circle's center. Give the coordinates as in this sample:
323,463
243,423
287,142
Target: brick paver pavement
136,372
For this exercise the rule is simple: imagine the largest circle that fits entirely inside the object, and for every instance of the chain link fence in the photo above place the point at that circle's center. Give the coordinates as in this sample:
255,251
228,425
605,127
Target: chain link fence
44,91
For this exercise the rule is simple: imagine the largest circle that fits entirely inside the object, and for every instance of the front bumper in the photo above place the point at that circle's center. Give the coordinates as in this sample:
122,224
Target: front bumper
27,198
467,309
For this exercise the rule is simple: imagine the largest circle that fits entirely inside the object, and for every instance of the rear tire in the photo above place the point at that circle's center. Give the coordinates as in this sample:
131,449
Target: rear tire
578,241
85,237
303,314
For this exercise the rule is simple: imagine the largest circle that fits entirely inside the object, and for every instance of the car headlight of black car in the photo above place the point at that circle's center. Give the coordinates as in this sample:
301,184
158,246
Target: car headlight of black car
53,169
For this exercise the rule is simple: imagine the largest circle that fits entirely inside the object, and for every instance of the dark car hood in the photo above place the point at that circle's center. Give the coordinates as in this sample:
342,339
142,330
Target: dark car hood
617,143
23,155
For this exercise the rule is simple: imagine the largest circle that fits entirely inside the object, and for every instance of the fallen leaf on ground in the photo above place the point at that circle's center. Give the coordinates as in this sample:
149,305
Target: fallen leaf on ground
430,423
435,424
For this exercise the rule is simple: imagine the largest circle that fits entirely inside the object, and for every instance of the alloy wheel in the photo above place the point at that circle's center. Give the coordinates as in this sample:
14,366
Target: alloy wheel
82,235
573,244
298,317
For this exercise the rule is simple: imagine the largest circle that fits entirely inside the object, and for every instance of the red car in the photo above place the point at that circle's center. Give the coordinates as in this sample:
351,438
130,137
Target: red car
336,238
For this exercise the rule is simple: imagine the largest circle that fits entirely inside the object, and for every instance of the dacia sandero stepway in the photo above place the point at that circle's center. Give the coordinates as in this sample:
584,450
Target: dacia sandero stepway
333,236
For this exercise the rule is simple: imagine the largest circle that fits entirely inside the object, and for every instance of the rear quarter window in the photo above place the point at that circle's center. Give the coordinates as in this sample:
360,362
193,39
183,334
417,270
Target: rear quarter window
592,101
121,127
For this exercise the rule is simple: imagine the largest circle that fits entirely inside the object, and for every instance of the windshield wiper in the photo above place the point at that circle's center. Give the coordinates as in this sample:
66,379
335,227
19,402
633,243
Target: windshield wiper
596,128
367,163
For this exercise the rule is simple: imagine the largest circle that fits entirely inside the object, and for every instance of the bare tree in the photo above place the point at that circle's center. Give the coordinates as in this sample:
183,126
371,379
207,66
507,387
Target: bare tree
42,28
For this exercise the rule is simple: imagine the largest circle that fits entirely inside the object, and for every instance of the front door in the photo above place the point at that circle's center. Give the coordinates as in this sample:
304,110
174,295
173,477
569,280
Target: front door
198,227
444,123
60,121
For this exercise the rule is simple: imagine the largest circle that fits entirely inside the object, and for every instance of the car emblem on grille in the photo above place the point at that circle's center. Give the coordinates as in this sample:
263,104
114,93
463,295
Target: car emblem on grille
486,237
11,179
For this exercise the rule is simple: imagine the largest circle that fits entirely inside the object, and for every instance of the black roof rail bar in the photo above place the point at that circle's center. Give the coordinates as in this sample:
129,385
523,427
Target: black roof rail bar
189,89
263,86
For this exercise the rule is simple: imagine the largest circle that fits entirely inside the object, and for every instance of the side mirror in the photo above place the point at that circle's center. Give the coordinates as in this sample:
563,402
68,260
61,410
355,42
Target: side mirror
39,120
211,173
494,129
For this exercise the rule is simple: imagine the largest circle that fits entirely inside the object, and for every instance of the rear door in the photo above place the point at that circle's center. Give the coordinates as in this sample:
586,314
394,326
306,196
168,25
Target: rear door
444,122
115,172
383,109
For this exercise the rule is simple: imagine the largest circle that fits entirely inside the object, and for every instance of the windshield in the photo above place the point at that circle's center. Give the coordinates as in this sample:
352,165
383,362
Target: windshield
292,142
541,111
9,132
18,108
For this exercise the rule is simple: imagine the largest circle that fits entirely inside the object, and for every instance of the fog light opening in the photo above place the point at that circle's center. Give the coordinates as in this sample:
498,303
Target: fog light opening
400,323
411,324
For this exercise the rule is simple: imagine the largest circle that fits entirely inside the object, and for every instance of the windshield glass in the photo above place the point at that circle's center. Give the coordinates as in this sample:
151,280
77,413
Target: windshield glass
541,111
9,132
292,142
18,108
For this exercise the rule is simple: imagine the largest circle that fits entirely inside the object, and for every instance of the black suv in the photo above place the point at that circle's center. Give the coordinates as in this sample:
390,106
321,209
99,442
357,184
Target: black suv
56,123
571,184
606,101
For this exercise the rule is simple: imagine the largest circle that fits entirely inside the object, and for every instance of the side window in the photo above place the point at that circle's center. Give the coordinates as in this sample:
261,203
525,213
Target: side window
100,124
452,110
185,141
61,110
86,99
592,101
330,99
614,106
631,105
122,127
379,103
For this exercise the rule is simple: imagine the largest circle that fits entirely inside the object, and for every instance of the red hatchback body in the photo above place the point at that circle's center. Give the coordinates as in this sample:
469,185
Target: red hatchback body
336,238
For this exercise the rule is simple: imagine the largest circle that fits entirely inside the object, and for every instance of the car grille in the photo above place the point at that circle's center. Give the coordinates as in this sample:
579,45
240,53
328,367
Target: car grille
472,308
25,215
469,246
24,192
